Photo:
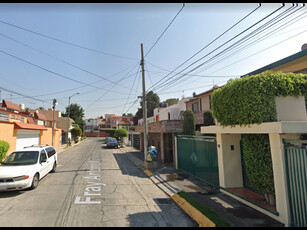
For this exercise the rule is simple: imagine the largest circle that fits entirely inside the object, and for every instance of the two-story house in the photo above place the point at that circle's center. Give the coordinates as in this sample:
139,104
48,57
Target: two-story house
19,129
166,123
199,104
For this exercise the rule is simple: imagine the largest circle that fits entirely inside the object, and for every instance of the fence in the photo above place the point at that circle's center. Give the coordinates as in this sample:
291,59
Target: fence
296,168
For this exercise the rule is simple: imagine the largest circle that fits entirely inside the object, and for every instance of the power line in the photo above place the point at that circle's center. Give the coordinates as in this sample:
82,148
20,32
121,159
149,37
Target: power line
161,84
20,94
207,45
165,29
112,86
238,42
270,33
50,71
77,67
68,43
131,88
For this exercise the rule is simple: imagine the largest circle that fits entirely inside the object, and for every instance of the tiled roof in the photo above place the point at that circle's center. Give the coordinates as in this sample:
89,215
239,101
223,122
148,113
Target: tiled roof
40,116
30,120
10,105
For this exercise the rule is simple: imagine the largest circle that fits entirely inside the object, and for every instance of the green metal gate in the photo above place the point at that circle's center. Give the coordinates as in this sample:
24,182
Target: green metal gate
198,156
296,168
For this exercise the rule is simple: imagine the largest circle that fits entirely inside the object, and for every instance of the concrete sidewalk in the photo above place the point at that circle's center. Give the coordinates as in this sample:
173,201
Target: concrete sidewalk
62,148
172,181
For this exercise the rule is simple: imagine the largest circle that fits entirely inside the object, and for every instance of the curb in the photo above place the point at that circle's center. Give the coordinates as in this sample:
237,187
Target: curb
196,215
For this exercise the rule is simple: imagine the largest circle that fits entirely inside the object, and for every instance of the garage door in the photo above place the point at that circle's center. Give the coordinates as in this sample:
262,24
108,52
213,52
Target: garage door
27,138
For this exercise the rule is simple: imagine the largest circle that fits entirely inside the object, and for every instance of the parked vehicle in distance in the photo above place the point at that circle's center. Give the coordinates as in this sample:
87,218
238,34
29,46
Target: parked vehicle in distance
112,143
107,139
25,168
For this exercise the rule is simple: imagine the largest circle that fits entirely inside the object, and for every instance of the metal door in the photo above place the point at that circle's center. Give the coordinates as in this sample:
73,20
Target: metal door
198,157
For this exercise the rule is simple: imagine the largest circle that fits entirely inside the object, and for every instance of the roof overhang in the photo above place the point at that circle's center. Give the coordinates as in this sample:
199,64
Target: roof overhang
281,127
20,125
293,63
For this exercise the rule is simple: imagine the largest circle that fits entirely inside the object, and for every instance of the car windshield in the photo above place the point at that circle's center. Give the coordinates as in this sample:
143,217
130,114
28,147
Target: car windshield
21,158
113,140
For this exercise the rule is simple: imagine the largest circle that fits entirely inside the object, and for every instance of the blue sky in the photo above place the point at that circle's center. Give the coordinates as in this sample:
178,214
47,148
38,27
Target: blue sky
103,62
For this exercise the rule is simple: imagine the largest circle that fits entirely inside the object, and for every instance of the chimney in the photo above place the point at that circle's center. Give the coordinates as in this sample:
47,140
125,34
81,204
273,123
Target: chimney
22,107
304,46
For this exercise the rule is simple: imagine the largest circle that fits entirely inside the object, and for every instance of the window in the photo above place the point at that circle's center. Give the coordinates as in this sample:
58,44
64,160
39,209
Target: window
50,151
195,107
22,119
169,115
4,117
18,117
43,156
200,105
12,116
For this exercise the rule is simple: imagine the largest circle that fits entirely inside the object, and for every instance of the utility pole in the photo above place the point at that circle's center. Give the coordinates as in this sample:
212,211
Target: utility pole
144,107
54,103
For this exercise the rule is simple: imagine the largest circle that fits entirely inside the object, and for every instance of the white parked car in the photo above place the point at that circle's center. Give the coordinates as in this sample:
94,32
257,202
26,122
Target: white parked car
24,168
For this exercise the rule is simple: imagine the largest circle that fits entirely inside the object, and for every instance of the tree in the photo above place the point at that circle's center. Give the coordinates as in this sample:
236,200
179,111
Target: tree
152,102
208,118
76,113
188,123
171,101
127,115
4,147
76,132
120,133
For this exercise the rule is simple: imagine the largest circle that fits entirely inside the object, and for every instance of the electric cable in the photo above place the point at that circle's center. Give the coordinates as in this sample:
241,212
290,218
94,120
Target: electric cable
68,43
131,88
208,44
165,30
223,50
77,67
112,86
50,71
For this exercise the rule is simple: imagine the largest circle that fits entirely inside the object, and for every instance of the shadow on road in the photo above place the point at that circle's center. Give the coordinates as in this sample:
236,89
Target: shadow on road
127,167
170,213
6,194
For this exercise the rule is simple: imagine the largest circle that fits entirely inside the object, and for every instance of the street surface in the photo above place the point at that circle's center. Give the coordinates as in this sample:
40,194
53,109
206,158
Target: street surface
96,187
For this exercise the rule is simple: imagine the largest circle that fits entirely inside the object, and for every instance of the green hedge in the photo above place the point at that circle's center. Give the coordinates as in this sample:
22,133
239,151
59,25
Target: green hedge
111,131
250,99
4,147
188,123
119,133
258,162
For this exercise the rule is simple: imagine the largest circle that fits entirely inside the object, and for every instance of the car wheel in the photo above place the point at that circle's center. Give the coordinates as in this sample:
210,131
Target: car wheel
54,167
35,181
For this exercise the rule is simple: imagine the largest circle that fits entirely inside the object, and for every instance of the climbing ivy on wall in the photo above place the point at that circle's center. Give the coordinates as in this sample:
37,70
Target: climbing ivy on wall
258,162
250,99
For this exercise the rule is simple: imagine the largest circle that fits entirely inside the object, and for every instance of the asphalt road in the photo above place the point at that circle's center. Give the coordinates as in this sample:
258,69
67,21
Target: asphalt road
96,187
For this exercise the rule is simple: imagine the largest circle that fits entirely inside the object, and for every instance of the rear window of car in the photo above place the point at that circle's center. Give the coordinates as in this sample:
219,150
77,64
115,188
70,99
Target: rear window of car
50,151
